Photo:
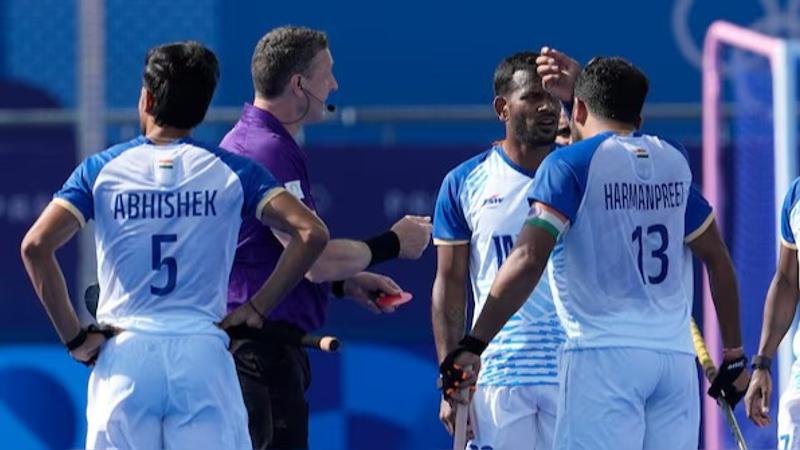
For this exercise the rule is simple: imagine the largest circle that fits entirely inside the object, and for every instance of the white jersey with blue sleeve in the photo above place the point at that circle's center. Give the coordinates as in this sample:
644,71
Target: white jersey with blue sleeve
166,225
621,271
790,227
483,203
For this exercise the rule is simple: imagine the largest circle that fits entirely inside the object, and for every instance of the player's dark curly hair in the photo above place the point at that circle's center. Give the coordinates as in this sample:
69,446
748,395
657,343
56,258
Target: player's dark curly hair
281,53
181,77
504,73
612,88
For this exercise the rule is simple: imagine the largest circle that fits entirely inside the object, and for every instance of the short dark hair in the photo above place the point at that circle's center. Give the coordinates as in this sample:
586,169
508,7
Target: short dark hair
282,53
612,88
504,73
181,77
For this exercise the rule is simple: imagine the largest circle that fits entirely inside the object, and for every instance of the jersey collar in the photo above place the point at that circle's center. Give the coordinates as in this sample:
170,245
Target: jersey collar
498,147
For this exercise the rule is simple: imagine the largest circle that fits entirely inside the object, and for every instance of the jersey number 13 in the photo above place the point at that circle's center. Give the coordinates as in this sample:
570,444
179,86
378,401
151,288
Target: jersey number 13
659,253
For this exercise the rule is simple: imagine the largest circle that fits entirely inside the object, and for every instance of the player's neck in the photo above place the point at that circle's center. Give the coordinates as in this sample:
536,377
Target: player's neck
165,135
595,126
283,110
526,156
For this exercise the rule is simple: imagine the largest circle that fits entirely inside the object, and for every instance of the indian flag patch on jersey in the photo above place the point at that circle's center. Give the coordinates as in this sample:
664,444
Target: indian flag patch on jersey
166,171
547,218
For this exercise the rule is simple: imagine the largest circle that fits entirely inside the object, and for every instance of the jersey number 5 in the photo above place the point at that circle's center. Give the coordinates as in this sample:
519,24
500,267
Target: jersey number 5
658,253
159,263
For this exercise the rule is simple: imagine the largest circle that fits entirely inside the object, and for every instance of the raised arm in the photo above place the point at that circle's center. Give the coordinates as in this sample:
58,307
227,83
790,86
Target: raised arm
343,258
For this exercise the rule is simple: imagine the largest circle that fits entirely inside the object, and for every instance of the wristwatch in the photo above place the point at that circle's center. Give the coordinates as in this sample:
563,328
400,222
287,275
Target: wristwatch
762,362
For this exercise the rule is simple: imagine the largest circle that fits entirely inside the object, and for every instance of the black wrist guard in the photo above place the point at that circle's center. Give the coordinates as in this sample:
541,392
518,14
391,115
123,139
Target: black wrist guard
762,362
722,386
472,344
450,374
77,341
383,247
337,288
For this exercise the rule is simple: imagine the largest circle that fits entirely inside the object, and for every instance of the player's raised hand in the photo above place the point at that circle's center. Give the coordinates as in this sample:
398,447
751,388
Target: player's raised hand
558,72
88,352
756,401
245,314
414,234
364,287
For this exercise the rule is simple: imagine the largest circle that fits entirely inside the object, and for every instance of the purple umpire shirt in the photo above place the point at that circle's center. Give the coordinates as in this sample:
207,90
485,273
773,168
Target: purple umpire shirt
260,136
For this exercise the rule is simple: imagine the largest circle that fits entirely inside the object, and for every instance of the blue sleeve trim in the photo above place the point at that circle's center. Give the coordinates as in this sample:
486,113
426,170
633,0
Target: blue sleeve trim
78,189
789,203
449,219
697,211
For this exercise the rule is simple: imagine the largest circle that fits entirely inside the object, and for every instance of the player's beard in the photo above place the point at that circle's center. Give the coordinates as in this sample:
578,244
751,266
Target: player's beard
527,132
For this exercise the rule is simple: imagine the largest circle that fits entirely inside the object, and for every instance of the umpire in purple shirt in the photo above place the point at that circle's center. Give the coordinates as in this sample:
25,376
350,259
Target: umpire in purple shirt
292,75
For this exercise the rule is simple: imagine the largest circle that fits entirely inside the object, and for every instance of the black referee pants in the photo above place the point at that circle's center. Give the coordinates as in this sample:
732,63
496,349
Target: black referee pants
274,378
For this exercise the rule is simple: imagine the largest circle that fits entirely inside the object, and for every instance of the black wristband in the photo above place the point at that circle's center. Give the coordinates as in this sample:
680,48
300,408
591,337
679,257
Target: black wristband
337,288
77,341
472,344
383,247
762,362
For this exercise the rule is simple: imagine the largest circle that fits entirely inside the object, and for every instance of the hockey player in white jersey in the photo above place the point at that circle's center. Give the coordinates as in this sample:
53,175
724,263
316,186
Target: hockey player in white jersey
618,213
481,207
780,308
167,211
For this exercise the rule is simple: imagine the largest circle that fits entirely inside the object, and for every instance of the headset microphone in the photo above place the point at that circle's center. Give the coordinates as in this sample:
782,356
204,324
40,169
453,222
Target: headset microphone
330,107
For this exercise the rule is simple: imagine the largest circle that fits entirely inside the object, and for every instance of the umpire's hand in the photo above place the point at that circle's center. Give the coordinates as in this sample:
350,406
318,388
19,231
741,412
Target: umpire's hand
414,234
364,287
246,314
